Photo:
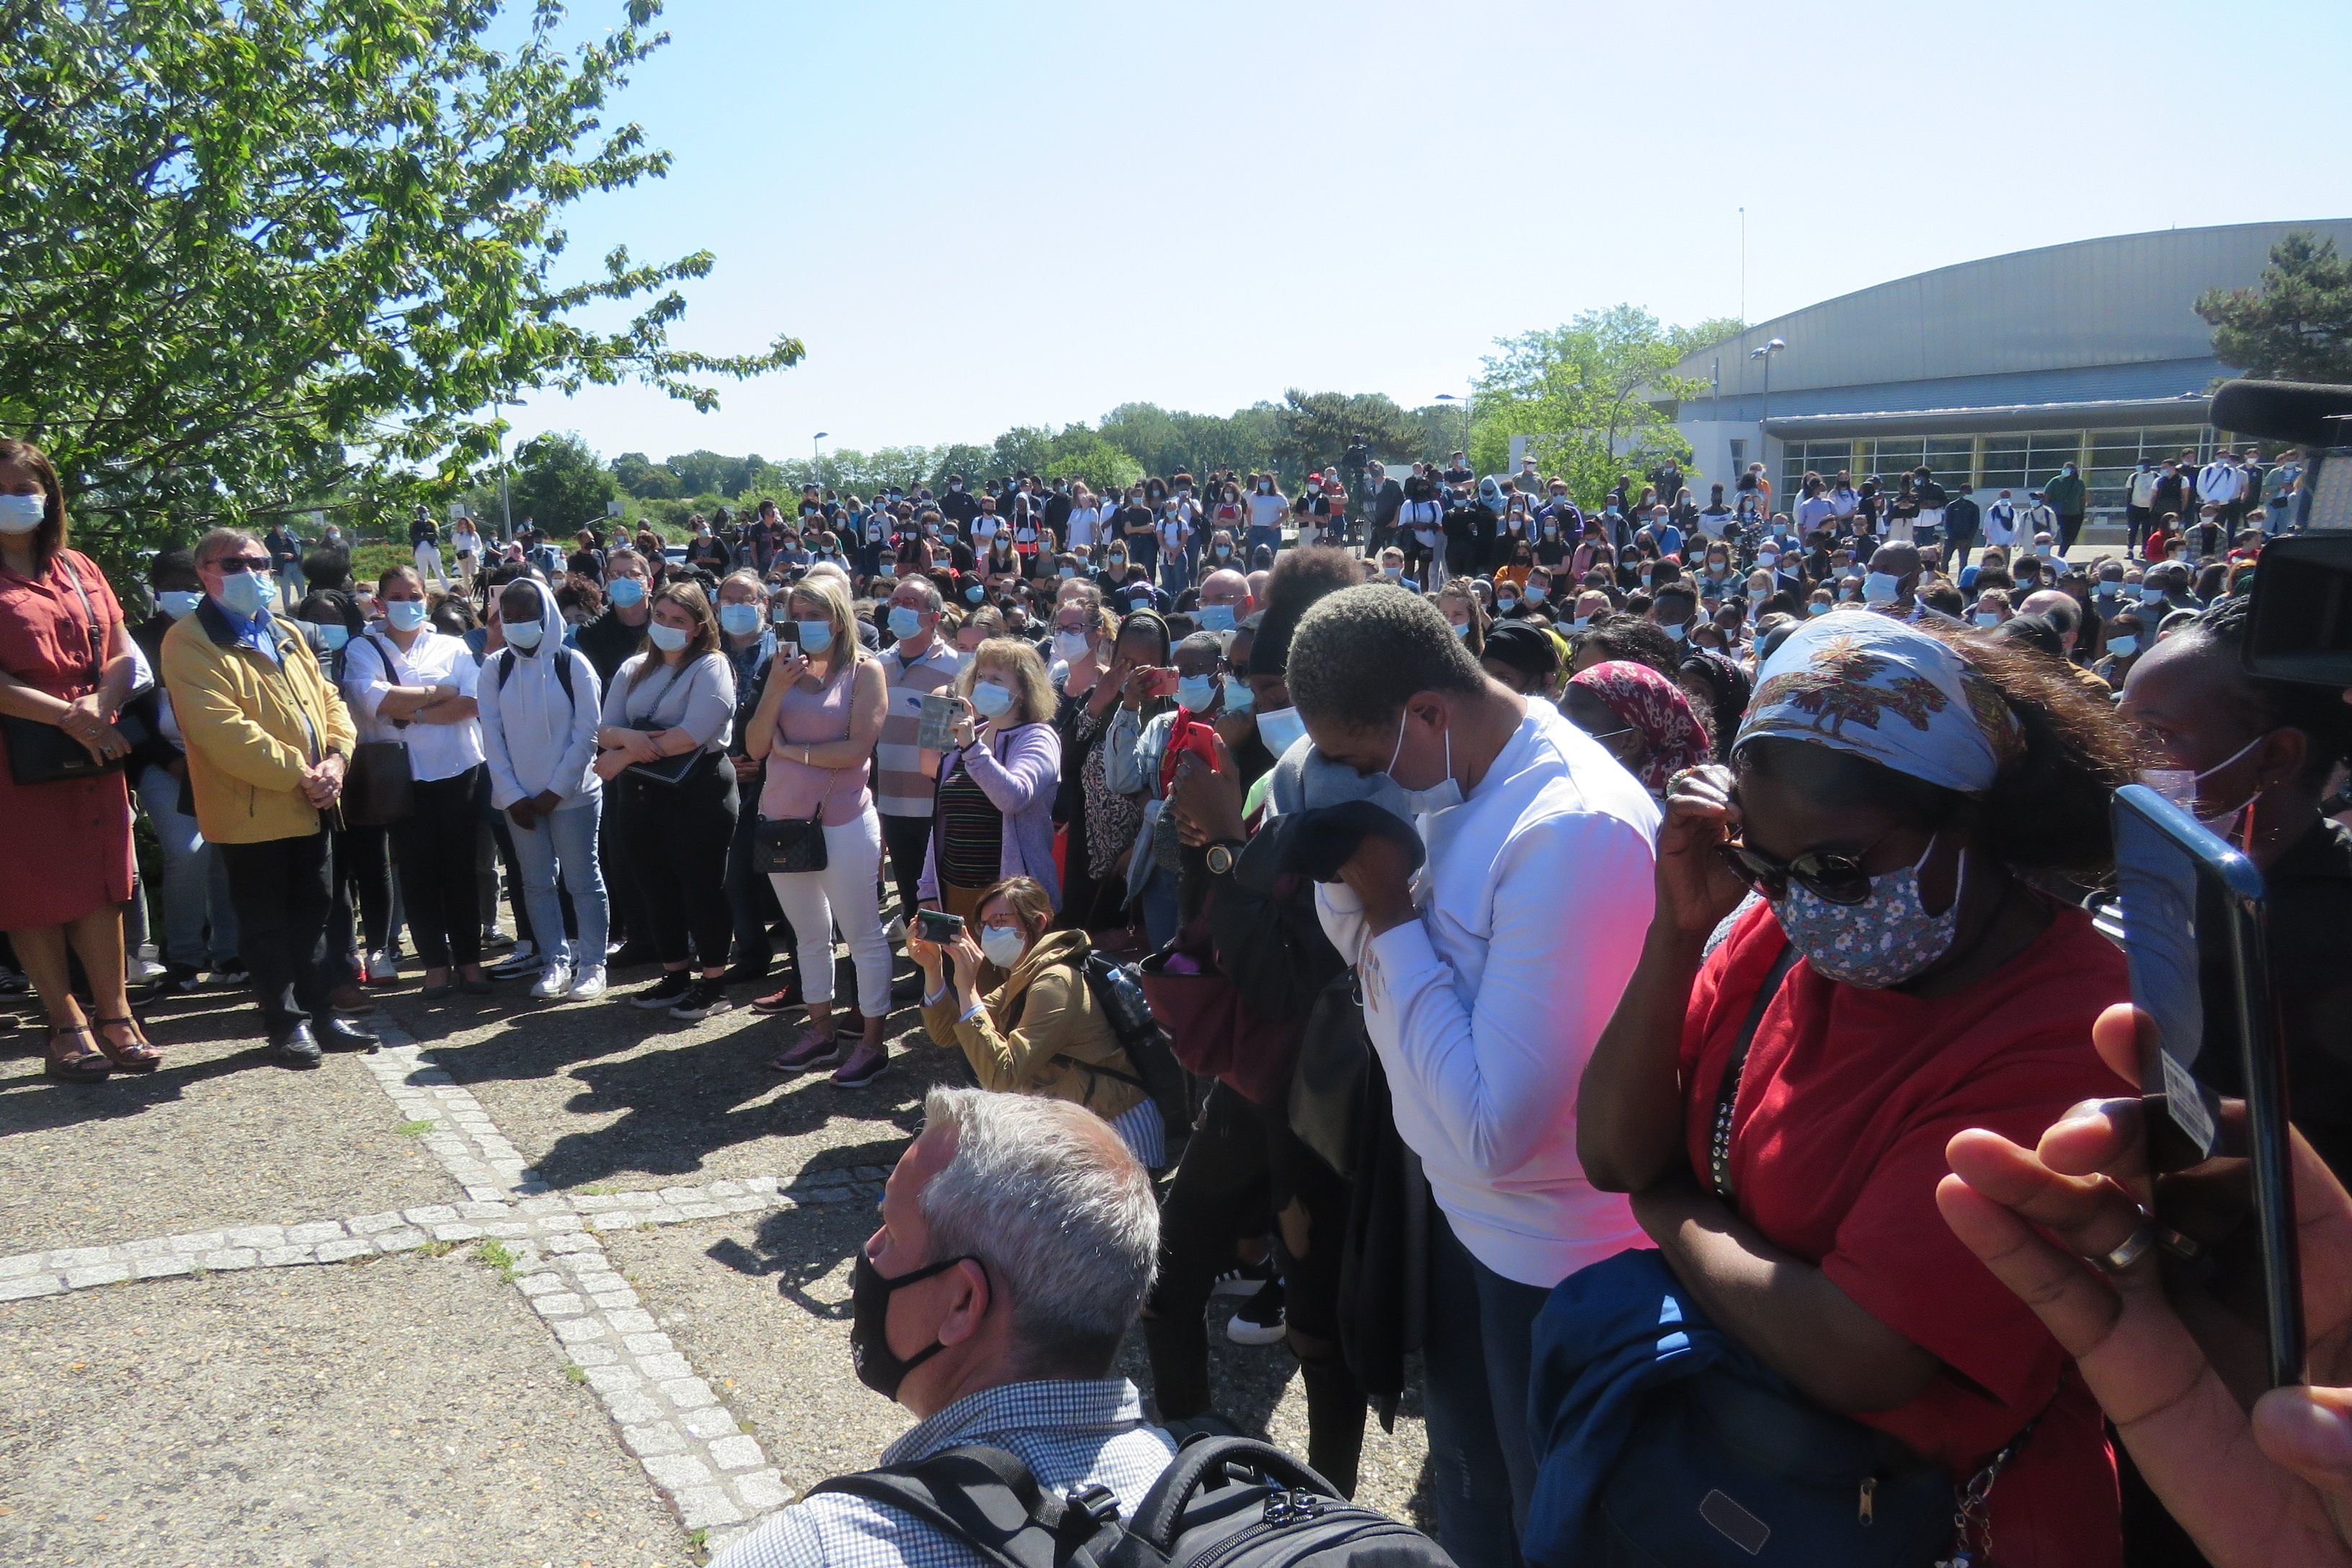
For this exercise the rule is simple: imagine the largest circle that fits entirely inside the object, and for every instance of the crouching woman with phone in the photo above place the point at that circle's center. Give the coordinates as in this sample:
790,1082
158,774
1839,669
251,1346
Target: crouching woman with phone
1039,1030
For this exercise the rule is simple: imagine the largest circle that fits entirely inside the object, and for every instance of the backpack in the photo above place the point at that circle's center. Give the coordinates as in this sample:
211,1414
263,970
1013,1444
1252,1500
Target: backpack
563,672
1230,1501
1158,1073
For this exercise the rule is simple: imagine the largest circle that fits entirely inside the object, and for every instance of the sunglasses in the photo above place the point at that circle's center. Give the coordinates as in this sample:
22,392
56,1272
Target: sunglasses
233,564
1834,879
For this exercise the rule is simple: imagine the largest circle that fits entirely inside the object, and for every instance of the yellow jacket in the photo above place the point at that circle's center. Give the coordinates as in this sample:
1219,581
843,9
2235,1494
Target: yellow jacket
251,726
1041,1031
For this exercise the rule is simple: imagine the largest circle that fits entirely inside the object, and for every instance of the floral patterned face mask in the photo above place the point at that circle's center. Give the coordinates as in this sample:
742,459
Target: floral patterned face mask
1885,939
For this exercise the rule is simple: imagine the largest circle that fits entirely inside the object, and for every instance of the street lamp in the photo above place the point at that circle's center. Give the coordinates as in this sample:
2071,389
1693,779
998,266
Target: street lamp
1465,400
816,456
1766,354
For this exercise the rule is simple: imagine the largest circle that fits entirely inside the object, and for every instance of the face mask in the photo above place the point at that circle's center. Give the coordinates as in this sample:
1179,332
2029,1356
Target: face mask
1443,795
1116,560
1216,617
1224,552
878,1367
1767,559
1645,579
1002,945
992,697
1537,593
738,620
1816,609
177,603
1580,622
1463,631
247,593
22,514
669,639
1196,691
2181,788
525,635
815,636
1066,572
2109,590
2123,647
2152,593
1882,940
1239,698
1881,588
336,637
1280,729
1069,647
1986,618
1506,602
625,592
905,622
1394,574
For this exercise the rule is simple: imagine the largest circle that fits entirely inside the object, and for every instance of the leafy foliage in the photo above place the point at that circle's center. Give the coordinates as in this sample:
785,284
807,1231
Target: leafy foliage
559,483
2297,326
262,254
1587,393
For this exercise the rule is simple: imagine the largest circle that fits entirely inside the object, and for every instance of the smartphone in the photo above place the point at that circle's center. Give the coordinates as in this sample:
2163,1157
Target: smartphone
933,729
788,634
1162,681
938,926
2214,1082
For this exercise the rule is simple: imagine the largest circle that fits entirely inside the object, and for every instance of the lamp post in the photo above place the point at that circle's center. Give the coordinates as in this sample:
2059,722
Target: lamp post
1463,399
1765,352
817,456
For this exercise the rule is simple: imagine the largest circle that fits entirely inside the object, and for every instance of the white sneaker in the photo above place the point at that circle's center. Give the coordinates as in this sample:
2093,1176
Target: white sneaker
381,969
589,984
144,969
553,982
894,933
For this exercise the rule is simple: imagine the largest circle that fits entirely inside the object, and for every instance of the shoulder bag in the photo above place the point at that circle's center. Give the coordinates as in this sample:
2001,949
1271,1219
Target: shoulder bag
668,772
380,784
40,752
795,843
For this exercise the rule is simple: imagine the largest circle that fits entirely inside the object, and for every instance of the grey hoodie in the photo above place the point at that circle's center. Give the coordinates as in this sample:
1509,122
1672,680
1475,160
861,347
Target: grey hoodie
532,738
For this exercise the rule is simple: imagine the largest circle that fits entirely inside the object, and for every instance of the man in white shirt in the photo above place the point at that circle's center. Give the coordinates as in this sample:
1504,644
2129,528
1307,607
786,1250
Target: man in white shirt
2221,481
1487,975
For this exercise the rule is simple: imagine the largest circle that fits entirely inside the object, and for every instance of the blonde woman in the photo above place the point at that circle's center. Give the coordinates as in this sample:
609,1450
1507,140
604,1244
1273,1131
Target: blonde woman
672,702
994,815
816,727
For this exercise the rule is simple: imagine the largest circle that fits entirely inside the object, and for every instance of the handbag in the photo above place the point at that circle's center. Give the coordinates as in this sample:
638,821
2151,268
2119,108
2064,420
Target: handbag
40,752
380,786
1214,1032
670,772
793,844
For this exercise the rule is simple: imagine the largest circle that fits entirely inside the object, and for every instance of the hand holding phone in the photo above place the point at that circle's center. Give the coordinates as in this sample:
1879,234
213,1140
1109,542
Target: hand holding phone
939,927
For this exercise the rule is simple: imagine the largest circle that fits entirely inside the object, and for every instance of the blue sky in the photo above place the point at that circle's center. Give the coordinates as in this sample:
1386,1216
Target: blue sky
978,214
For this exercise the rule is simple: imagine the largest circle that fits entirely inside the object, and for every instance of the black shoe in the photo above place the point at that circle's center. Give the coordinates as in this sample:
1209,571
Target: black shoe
523,963
1244,1278
299,1049
441,992
474,987
182,978
337,1036
664,992
1259,1322
632,954
701,999
232,971
746,972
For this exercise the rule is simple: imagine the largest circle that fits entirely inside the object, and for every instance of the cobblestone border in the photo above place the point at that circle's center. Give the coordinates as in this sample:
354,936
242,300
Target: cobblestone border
690,1446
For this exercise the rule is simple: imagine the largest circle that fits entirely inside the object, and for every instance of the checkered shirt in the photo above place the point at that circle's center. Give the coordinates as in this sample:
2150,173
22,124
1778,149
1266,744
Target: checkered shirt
1069,1434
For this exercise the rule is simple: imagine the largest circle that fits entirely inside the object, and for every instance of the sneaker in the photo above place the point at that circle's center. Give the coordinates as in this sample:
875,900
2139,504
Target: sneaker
525,959
813,1047
663,991
1244,1279
139,971
703,999
782,1001
183,978
896,931
494,939
13,984
382,969
232,971
866,1064
1259,1322
588,984
554,981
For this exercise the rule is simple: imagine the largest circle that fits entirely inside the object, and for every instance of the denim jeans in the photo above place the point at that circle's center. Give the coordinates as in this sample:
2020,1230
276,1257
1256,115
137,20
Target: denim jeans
196,883
1478,1362
564,841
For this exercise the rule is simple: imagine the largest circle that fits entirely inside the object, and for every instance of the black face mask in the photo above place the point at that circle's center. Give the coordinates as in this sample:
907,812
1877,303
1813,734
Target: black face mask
876,1365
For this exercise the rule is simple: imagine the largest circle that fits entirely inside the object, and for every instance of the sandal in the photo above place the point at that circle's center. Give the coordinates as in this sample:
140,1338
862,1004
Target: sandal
83,1066
138,1055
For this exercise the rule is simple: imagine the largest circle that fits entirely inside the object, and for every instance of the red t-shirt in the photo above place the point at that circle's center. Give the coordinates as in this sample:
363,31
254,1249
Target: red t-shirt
1837,1144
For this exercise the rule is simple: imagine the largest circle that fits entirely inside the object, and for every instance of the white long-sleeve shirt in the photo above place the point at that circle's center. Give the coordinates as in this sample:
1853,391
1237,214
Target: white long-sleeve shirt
1533,901
2220,482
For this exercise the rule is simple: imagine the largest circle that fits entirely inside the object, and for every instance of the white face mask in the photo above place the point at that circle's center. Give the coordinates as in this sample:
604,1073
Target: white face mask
1002,945
1069,647
1280,729
1443,795
21,515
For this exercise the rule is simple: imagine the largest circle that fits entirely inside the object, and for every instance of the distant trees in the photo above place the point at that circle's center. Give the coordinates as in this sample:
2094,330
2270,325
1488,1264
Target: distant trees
2296,325
1588,395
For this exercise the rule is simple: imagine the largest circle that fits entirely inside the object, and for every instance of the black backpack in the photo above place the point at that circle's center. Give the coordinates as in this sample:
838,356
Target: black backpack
1156,1072
563,671
1230,1501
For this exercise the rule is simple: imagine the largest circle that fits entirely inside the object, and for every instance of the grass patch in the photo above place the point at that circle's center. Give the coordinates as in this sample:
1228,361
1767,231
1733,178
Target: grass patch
438,1248
500,1256
594,1189
699,1539
417,1128
575,1374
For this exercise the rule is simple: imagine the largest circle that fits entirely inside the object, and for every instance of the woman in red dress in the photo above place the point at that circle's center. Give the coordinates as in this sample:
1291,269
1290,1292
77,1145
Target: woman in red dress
65,660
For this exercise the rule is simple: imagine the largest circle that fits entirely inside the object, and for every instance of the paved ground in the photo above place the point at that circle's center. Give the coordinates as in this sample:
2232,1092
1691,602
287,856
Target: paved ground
633,1347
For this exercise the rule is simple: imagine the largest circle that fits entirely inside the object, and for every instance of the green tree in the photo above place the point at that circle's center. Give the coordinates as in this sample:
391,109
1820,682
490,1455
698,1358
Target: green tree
645,478
2297,324
559,483
1588,393
710,473
267,251
1083,454
1315,427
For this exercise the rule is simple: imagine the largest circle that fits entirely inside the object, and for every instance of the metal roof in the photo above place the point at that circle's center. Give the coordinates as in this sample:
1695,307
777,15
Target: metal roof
2124,301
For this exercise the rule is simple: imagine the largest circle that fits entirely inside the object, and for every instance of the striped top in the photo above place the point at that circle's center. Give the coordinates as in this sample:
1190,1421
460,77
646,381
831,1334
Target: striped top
905,787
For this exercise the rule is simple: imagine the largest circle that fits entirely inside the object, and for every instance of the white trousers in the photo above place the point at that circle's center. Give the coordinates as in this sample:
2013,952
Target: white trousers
845,893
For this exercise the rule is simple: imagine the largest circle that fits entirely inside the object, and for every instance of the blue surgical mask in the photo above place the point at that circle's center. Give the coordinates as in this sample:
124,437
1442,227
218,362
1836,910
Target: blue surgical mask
1216,617
815,636
625,592
669,639
1676,631
990,699
247,594
525,635
1580,622
1196,691
2152,593
2123,647
1881,588
1463,631
1239,698
975,593
336,636
905,623
738,620
178,603
1538,592
1280,729
1066,572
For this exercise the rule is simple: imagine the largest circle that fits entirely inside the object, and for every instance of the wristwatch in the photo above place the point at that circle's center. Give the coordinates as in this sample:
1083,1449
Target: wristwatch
1221,859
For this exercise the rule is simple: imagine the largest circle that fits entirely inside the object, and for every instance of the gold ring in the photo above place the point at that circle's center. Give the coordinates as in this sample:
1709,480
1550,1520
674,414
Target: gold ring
2126,1253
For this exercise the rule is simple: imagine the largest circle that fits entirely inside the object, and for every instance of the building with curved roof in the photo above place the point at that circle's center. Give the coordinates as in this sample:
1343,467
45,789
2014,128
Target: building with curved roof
1991,373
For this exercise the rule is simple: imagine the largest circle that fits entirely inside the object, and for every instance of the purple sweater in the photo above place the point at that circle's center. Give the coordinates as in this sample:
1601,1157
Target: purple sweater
1019,772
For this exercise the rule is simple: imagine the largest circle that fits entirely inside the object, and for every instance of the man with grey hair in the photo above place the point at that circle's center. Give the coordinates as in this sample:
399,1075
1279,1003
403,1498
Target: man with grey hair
920,664
1017,1244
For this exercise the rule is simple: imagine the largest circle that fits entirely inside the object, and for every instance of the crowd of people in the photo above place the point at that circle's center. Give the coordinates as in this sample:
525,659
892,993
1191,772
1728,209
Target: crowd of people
1553,909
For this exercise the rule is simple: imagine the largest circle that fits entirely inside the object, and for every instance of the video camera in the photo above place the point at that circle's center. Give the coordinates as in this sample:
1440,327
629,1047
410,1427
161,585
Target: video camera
2301,617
